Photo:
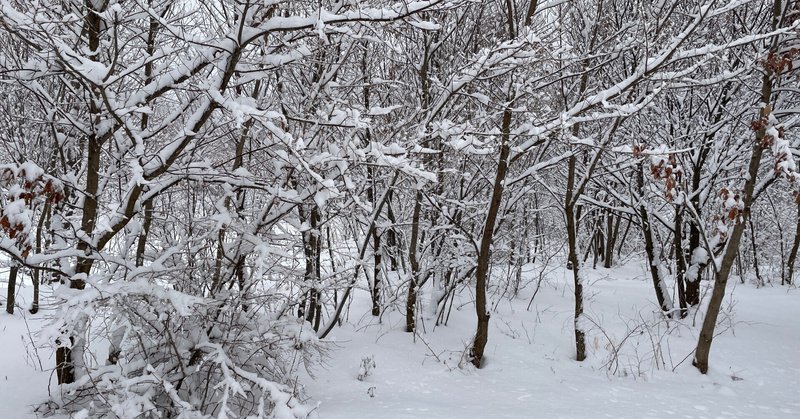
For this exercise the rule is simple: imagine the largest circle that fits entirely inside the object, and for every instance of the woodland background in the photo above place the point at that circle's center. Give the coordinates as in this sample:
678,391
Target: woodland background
203,194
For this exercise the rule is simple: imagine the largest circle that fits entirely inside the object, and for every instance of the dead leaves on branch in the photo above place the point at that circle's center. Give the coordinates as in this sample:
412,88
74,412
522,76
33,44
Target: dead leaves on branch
23,189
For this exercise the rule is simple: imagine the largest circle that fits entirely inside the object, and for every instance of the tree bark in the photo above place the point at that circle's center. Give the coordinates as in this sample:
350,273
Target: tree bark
413,245
715,303
484,254
612,230
680,260
754,247
572,242
12,289
653,259
71,355
311,248
795,247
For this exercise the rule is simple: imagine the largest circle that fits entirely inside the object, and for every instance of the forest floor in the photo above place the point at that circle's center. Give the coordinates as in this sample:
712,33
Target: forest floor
530,371
638,365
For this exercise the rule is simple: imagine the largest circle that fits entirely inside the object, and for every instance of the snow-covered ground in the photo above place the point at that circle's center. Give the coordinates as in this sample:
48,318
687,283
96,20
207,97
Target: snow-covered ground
24,382
530,371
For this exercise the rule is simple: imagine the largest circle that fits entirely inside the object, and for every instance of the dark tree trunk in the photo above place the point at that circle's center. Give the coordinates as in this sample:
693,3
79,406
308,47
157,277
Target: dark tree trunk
795,247
391,236
573,262
65,365
484,253
624,236
612,229
537,232
376,273
12,289
680,260
141,245
311,249
715,302
413,245
375,288
754,247
693,284
36,273
36,280
65,370
649,247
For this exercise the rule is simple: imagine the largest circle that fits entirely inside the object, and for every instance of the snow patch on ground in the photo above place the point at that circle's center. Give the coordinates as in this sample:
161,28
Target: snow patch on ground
24,382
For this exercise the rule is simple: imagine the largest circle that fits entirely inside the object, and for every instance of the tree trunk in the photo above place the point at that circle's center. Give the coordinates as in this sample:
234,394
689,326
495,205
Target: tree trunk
375,288
572,241
693,281
612,229
71,355
715,303
695,267
759,279
391,236
795,247
659,284
141,245
36,275
680,260
413,245
484,254
624,236
12,289
311,249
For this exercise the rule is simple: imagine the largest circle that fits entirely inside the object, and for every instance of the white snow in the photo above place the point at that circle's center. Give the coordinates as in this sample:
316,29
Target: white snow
530,369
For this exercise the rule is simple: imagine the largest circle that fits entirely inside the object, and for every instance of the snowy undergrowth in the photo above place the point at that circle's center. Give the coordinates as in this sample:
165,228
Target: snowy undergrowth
153,352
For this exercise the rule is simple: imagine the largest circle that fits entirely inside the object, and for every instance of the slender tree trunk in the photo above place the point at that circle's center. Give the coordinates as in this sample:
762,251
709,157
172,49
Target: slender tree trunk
376,273
693,282
695,266
36,273
375,288
680,260
574,263
141,245
739,268
754,247
12,289
600,242
69,356
311,248
611,239
413,245
487,236
572,213
36,280
391,236
795,247
659,284
537,232
147,209
484,254
622,239
715,302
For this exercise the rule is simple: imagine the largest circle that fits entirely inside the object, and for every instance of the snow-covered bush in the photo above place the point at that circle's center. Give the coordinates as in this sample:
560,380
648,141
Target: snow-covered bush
175,355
